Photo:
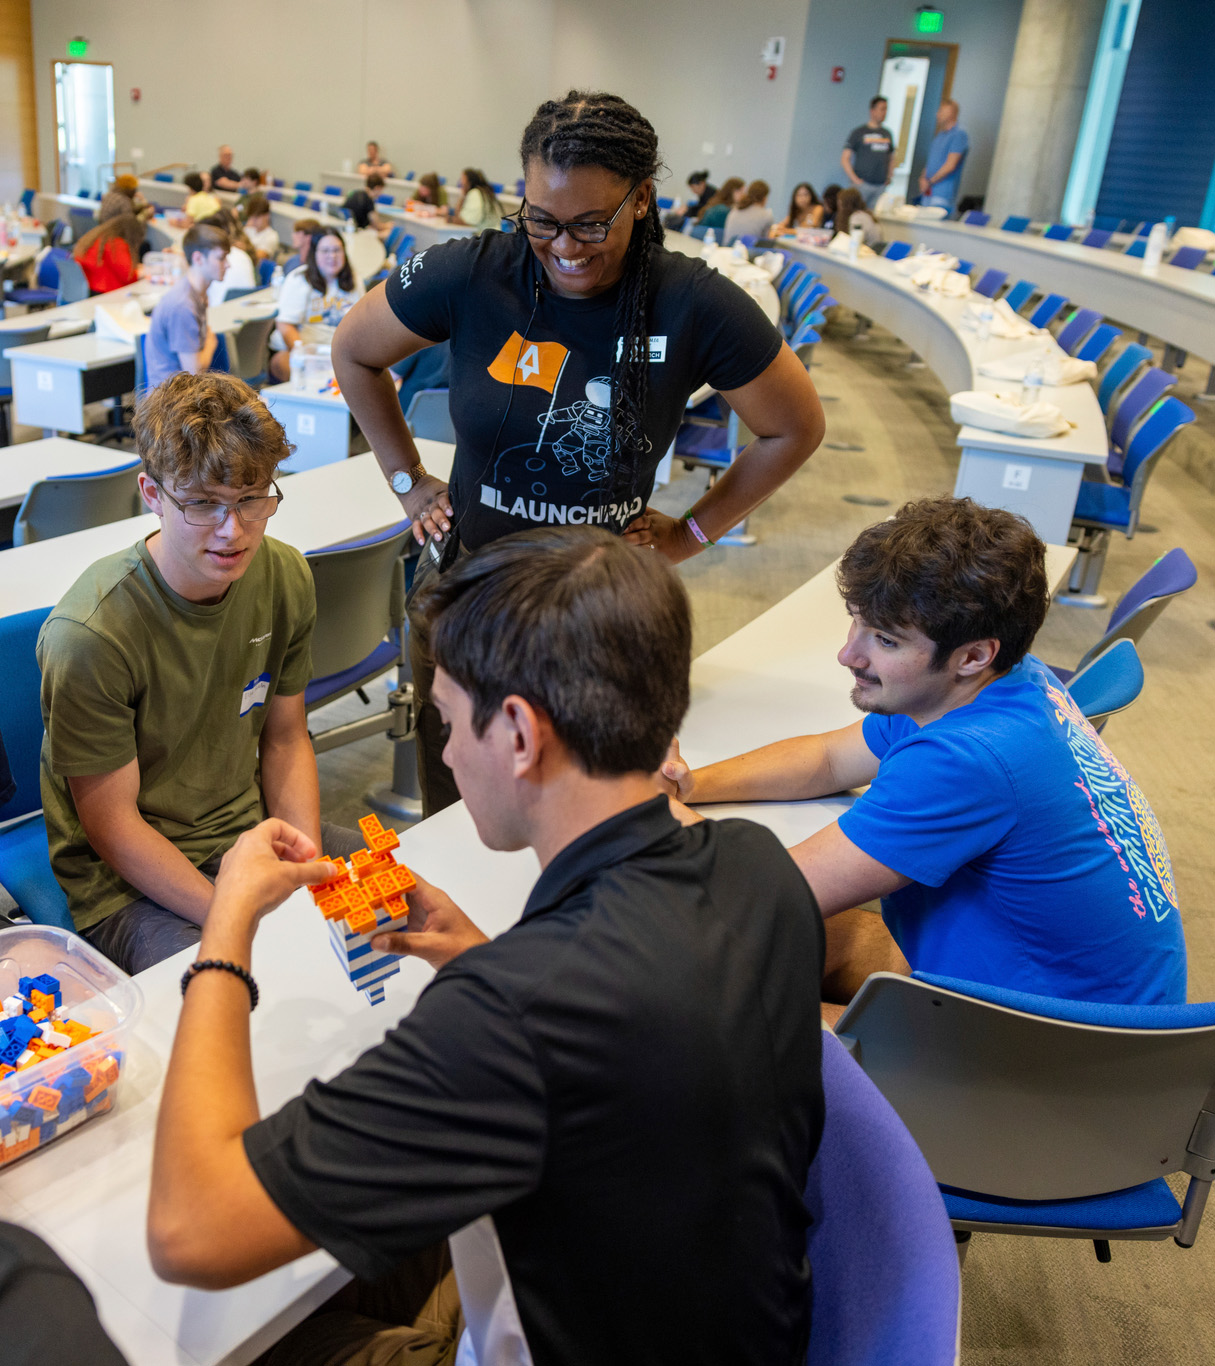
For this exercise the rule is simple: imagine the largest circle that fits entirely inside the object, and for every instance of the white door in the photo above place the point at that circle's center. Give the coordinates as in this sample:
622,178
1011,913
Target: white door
84,100
904,80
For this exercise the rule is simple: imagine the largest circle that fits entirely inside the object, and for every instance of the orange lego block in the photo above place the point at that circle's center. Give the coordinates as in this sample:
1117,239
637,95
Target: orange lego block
396,907
5,1069
38,1014
41,1001
332,905
371,827
46,1098
339,877
402,879
361,921
383,843
75,1031
104,1073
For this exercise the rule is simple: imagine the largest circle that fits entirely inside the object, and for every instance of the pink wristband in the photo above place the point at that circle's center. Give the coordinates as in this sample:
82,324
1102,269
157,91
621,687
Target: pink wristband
696,531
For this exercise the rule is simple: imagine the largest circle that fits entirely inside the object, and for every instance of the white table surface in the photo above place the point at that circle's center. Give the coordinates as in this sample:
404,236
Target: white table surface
29,461
86,352
1175,305
87,1193
79,314
320,507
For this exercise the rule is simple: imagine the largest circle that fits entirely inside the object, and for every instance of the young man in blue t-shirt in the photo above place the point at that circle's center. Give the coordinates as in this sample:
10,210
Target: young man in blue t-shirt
942,175
1007,843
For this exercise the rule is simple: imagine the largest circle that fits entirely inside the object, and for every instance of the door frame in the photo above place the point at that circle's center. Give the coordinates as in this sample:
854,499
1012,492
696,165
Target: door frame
906,46
73,61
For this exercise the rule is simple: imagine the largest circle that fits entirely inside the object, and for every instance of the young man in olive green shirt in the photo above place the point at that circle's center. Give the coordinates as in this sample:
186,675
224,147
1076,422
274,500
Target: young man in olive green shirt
173,678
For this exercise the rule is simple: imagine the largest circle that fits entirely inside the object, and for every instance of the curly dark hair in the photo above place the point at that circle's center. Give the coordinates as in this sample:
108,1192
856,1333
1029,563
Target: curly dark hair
591,128
955,570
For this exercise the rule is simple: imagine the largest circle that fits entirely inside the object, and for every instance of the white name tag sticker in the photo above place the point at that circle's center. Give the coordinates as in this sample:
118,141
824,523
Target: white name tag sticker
46,379
254,694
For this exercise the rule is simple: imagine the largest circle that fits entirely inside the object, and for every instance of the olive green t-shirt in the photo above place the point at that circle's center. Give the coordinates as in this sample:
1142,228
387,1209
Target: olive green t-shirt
130,670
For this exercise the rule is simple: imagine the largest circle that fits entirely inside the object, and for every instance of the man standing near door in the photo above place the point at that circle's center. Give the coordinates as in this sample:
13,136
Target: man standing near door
942,174
868,154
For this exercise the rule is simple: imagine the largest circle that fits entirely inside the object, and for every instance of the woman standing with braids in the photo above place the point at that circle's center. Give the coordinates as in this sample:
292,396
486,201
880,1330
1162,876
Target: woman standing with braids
575,345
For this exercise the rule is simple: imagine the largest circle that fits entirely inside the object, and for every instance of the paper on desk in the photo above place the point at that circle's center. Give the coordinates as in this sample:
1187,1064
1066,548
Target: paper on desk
1005,413
121,322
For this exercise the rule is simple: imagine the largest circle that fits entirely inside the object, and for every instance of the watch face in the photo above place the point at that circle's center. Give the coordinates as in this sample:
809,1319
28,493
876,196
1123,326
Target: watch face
402,481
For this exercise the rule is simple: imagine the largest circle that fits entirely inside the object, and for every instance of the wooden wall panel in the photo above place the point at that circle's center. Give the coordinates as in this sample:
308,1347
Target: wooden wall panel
18,114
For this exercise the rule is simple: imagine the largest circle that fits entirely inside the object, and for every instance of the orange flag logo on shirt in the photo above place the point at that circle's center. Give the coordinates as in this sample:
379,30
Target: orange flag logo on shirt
537,364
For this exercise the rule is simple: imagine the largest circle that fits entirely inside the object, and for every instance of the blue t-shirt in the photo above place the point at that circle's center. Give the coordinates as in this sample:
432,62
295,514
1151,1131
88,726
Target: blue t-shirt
951,140
179,323
1036,862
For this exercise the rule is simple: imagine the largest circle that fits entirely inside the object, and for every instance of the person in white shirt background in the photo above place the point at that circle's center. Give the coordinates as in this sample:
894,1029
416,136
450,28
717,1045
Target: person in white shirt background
314,299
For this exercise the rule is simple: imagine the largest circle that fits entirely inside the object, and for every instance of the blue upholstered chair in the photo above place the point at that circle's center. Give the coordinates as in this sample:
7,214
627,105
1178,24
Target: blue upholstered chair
1096,237
990,282
1042,1116
1137,247
1058,232
1019,294
1048,310
886,1284
1108,683
1098,343
1137,399
429,415
1076,328
976,218
25,866
896,251
1188,258
1014,224
63,503
1122,371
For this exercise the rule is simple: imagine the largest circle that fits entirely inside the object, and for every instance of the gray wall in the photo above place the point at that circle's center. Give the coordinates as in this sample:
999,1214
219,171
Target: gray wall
852,34
298,87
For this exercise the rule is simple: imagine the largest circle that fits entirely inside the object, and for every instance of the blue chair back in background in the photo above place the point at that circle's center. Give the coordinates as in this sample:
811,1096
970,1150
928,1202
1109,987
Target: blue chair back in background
1108,683
1014,224
1076,328
976,218
25,868
1188,258
1048,310
1129,362
884,1260
1019,294
990,282
1096,237
1136,401
1058,232
1137,247
1095,346
896,251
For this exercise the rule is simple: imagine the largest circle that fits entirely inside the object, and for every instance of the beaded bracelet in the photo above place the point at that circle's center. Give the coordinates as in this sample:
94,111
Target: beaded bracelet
696,531
235,968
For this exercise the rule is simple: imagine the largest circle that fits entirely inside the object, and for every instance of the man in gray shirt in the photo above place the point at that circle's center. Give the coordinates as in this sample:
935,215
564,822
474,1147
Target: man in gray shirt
869,153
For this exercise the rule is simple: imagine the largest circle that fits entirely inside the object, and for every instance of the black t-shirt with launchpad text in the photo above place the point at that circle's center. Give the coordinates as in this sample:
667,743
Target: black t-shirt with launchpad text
530,393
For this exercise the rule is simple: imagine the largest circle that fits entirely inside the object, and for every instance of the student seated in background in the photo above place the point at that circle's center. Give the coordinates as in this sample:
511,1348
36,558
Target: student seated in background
374,163
201,203
361,204
173,681
1007,843
850,212
751,216
109,253
479,207
718,207
805,210
250,180
241,272
314,299
180,338
430,190
258,227
302,233
830,203
700,192
223,173
627,1080
123,197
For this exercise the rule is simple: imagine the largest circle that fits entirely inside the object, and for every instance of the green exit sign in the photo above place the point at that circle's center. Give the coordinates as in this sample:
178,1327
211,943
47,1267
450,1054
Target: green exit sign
929,20
77,47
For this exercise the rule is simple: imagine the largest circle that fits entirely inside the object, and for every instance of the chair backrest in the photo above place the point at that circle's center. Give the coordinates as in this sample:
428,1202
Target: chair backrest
48,267
25,336
886,1285
1136,401
789,278
1077,327
990,282
303,184
1148,442
965,267
1028,1098
1188,258
27,201
429,415
20,710
166,177
1058,232
1095,346
383,199
1122,370
333,189
300,200
1108,683
249,347
82,221
275,196
1145,599
1014,224
55,231
1096,237
1018,294
1048,310
265,271
73,283
360,597
1137,247
71,502
976,218
896,251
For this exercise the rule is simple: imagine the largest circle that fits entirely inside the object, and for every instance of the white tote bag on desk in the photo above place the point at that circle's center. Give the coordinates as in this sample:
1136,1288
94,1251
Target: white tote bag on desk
1005,413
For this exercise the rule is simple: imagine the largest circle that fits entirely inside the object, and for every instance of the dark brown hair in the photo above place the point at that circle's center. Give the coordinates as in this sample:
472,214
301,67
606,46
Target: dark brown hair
723,196
208,429
312,272
590,630
815,202
953,569
204,237
124,225
757,192
850,201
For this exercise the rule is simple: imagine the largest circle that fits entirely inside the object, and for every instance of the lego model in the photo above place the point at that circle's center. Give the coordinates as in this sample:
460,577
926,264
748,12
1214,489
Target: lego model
365,898
34,1030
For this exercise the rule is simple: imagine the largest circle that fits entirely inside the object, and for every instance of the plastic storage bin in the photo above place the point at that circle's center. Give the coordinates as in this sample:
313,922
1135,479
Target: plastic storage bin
42,1101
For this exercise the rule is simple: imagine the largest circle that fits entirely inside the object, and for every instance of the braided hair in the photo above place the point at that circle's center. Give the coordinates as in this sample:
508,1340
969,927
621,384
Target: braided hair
594,129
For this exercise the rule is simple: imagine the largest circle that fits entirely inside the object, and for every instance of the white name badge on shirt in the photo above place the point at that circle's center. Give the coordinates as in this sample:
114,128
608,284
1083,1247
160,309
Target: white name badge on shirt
254,694
658,349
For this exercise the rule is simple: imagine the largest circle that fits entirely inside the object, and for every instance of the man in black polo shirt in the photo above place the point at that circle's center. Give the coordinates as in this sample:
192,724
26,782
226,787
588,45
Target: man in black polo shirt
868,153
627,1080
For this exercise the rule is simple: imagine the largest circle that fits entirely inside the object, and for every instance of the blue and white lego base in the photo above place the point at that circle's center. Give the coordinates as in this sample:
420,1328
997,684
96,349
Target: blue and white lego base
366,967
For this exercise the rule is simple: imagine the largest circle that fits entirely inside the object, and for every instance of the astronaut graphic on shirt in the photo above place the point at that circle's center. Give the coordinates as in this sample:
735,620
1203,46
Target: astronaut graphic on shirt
589,435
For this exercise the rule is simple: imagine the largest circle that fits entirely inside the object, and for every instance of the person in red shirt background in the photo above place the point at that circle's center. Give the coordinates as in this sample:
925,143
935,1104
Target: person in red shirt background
109,254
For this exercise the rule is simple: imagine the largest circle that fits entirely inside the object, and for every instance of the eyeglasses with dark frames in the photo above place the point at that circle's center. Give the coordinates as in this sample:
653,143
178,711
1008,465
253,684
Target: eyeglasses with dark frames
545,229
205,513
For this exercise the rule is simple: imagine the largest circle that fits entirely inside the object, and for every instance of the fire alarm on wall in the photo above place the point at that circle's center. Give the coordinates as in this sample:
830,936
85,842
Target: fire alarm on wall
837,75
135,93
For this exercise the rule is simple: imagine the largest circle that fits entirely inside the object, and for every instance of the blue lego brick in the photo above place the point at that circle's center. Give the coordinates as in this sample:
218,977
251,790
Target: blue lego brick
49,986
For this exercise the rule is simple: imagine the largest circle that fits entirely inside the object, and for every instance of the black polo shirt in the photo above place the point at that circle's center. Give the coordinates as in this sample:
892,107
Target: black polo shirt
628,1080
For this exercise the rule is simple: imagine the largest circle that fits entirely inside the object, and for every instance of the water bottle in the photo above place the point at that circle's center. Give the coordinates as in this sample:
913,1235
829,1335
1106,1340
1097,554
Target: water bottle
1087,224
276,280
987,316
297,362
856,238
1154,250
1031,385
740,252
710,245
1170,225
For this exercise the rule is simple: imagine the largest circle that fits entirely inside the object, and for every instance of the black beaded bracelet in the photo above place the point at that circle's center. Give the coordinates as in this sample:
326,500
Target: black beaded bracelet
235,968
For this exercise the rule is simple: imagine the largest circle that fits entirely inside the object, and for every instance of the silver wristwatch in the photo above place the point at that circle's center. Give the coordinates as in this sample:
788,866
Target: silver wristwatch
404,480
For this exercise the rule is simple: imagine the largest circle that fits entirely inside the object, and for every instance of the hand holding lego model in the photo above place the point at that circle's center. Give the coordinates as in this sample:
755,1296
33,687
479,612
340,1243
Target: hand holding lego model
265,865
438,929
